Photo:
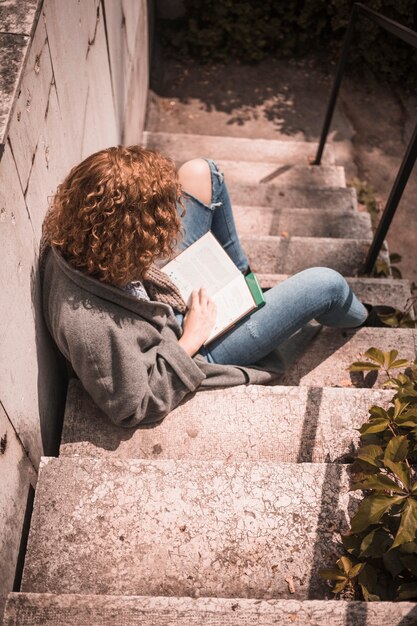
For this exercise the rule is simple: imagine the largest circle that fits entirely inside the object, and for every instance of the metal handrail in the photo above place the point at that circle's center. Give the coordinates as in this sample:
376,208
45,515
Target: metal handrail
410,37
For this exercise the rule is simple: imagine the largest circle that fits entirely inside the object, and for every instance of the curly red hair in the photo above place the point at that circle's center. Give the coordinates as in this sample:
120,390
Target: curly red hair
115,213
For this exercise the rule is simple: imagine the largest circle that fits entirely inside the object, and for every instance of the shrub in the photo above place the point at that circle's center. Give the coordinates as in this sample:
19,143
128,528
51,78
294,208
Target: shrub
251,30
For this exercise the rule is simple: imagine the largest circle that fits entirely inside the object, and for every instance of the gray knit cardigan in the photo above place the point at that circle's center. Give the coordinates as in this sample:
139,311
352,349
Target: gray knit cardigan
125,351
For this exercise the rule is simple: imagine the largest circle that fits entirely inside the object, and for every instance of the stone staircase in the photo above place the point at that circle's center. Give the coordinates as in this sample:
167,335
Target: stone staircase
224,513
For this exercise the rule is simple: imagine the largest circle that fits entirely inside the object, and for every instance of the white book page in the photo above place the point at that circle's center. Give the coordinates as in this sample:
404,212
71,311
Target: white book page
203,264
233,302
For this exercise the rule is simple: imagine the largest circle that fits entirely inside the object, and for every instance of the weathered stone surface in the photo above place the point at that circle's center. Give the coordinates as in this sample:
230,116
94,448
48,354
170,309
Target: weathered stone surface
18,16
389,291
12,52
302,197
17,476
255,173
28,609
196,528
288,255
280,424
264,220
325,362
181,147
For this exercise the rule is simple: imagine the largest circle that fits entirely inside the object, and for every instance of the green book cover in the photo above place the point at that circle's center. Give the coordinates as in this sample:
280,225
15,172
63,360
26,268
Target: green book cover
255,289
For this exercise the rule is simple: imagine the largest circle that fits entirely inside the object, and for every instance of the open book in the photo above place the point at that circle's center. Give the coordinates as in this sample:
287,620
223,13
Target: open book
206,264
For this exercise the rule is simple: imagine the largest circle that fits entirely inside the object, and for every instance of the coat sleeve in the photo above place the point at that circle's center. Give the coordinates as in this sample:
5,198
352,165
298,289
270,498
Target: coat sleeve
131,383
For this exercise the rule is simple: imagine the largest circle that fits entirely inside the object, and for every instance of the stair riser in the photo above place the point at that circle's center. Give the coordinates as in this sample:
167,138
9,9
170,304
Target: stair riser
392,292
288,255
182,147
79,610
325,362
331,199
302,222
279,424
185,528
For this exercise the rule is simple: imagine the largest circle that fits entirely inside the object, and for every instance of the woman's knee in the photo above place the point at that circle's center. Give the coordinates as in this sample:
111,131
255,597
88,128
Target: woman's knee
330,282
195,179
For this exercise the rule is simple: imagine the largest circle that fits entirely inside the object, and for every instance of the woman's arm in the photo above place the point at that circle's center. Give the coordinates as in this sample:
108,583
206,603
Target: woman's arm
199,322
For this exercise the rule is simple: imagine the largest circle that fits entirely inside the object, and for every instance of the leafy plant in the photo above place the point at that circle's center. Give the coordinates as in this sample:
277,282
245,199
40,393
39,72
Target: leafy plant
251,30
381,546
386,270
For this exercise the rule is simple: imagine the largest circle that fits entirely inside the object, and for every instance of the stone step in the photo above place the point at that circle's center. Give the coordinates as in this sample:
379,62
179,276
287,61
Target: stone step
288,255
186,528
297,197
325,362
257,173
264,220
389,291
27,609
246,423
184,146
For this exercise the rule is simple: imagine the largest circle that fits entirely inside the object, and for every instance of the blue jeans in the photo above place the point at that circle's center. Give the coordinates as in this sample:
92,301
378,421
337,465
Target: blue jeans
318,293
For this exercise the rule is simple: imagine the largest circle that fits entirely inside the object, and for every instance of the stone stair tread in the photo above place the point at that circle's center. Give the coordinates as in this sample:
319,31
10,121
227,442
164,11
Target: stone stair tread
288,255
256,423
325,362
302,222
184,146
282,175
186,528
390,291
295,196
27,609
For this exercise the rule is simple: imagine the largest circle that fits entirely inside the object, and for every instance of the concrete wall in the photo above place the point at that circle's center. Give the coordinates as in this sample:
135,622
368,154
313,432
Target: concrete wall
73,80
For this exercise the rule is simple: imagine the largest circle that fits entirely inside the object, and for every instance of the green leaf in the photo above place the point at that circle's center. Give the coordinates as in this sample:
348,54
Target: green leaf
399,363
368,579
408,524
377,425
410,562
389,357
407,591
378,411
363,366
375,543
340,586
332,574
345,564
371,454
355,570
352,544
408,548
379,482
400,470
396,449
399,407
371,509
376,355
392,562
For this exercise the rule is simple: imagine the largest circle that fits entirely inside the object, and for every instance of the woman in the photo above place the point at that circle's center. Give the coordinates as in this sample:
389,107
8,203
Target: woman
119,320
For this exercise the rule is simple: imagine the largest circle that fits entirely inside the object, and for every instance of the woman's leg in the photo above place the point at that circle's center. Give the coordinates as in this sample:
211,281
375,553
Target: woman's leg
317,293
208,208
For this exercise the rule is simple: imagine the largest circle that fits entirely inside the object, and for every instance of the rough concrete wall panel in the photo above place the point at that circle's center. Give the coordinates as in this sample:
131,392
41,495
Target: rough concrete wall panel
50,165
70,26
138,81
16,475
100,127
18,364
120,57
31,104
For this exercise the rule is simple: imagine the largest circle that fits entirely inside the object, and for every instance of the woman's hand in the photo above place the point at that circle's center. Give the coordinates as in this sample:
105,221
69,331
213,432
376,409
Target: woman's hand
199,322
